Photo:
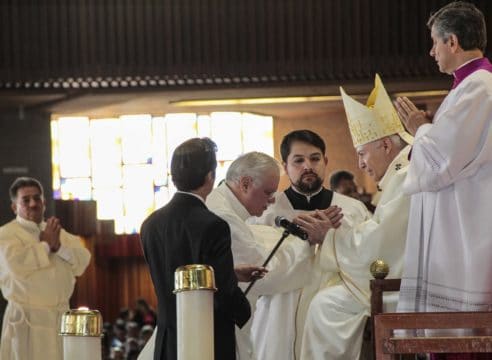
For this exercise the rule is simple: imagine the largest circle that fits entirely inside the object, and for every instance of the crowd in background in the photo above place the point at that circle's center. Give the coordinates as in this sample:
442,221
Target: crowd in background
124,339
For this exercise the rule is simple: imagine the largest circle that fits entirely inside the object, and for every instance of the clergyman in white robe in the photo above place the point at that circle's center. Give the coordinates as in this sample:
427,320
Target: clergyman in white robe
337,314
448,255
37,285
275,330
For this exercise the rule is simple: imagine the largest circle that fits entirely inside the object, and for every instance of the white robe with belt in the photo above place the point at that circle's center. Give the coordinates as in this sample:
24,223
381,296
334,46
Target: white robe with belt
337,314
38,286
275,330
448,256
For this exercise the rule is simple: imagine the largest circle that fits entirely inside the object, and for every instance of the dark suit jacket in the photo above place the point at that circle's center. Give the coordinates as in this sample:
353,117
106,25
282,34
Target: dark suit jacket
181,233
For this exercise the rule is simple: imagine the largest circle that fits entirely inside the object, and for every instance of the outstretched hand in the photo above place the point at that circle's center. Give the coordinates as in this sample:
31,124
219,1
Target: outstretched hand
247,273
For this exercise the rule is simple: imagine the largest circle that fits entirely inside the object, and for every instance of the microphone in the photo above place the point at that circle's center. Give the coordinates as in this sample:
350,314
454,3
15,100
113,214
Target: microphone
292,228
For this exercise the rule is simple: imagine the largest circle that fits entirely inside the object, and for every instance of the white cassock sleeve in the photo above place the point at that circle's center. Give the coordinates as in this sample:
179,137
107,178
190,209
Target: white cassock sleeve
19,258
439,155
74,253
289,267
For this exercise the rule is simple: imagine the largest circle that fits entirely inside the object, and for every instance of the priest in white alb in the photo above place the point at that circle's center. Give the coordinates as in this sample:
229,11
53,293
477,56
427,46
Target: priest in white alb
337,314
447,263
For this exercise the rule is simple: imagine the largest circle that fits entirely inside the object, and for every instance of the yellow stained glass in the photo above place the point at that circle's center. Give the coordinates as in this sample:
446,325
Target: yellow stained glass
220,173
226,132
159,151
257,133
138,195
73,147
76,189
136,139
55,157
109,203
123,163
179,127
161,196
105,137
204,127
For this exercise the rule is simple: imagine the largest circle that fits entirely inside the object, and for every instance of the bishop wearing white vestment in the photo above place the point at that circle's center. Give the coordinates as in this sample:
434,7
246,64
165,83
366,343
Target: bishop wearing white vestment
337,314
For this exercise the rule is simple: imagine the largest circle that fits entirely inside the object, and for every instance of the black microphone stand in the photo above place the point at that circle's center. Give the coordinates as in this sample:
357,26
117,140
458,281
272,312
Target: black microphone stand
282,238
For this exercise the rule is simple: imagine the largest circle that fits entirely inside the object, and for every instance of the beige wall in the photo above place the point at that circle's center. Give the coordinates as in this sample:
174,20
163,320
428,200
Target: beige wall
332,127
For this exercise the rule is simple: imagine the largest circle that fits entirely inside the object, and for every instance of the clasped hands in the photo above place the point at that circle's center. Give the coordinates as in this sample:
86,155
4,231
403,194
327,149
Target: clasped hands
51,234
411,117
318,222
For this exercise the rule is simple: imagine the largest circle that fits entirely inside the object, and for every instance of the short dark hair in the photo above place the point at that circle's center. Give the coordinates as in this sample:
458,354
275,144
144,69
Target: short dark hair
22,182
338,176
464,20
191,162
306,136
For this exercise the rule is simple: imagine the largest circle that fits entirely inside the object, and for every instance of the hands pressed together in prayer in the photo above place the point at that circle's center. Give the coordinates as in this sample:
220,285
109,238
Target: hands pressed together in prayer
51,234
318,222
247,273
411,117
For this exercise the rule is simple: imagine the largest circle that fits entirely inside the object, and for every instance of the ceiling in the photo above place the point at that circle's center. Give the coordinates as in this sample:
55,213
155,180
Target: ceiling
98,103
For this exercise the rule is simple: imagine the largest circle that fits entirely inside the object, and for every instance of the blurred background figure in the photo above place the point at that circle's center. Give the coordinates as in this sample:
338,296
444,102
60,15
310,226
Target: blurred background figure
343,182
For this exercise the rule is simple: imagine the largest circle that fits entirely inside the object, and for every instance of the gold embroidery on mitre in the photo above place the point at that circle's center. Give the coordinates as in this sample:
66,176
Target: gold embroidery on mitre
375,120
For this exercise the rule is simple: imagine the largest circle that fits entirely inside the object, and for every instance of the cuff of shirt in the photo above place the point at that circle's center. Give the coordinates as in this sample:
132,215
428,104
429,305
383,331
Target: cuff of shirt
65,253
422,130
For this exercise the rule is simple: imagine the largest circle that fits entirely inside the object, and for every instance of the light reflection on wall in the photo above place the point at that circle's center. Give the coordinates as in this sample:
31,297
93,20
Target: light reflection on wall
124,163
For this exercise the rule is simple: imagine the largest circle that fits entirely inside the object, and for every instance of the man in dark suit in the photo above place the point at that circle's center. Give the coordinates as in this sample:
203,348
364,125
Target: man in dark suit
186,232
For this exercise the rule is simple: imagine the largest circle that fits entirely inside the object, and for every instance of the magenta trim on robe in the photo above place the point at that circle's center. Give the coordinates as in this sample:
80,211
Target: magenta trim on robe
471,67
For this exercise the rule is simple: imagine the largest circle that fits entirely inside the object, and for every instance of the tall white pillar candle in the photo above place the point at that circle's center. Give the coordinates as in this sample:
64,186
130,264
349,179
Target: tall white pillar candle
194,288
81,330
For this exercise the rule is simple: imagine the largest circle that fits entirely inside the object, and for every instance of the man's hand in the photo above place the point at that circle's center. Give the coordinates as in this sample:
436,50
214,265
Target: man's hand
247,273
317,223
51,234
410,116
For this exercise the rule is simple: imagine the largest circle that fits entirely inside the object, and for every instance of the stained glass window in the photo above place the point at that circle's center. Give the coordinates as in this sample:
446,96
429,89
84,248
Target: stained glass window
123,162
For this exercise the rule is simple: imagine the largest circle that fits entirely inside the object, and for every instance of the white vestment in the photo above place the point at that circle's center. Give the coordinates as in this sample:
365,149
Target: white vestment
37,285
449,243
288,269
337,314
275,329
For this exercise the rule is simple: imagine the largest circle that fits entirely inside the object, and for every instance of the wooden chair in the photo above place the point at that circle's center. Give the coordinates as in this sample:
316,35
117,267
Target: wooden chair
378,287
387,345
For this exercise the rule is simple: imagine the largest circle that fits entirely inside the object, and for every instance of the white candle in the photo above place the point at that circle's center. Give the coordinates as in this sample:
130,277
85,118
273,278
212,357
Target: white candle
81,332
81,348
195,324
194,286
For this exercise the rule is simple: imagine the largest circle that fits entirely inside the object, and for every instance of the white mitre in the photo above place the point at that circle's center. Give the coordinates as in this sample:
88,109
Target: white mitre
375,120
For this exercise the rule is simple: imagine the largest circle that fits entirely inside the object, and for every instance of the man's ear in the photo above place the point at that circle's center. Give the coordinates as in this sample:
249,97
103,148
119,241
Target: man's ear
387,145
13,206
245,182
210,177
453,42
